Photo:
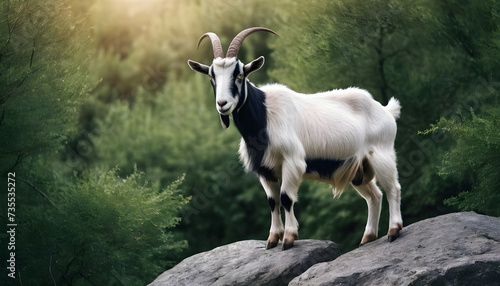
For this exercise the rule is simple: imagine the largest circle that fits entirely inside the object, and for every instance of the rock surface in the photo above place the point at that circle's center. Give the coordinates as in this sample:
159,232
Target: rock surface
453,249
249,263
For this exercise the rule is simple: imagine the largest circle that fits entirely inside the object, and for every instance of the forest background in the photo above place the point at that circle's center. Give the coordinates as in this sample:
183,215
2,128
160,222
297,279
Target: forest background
121,166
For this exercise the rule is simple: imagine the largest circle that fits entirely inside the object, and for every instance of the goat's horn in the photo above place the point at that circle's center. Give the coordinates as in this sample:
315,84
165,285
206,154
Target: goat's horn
216,45
235,45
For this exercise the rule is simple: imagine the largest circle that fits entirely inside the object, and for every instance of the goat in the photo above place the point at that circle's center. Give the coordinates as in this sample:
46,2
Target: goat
338,137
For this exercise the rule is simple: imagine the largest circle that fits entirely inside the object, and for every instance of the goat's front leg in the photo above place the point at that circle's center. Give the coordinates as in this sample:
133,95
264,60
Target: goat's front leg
276,232
293,170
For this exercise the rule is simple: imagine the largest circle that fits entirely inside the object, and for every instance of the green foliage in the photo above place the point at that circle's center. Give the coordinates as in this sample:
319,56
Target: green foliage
347,40
86,224
42,84
101,228
475,155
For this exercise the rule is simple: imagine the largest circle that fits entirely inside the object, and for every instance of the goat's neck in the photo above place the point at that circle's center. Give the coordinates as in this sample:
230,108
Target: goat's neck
251,121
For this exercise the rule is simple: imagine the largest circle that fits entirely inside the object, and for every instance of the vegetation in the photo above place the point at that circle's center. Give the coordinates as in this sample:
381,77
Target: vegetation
122,168
100,228
475,156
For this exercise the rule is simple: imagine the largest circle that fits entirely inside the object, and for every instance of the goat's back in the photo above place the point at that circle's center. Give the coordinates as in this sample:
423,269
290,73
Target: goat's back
333,124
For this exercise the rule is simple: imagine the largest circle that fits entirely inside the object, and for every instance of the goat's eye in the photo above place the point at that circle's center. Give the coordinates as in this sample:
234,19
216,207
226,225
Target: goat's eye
241,76
210,78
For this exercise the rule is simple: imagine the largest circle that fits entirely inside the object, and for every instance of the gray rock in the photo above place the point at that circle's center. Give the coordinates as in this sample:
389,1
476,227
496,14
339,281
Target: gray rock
453,249
248,263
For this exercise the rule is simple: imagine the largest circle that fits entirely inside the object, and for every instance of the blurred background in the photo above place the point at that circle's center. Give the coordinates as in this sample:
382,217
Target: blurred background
122,168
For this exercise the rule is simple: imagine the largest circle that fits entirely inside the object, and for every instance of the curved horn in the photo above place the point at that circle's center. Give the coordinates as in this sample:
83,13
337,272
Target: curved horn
235,45
216,45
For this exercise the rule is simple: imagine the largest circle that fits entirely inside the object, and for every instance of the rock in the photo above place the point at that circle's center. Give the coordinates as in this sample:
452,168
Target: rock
248,263
453,249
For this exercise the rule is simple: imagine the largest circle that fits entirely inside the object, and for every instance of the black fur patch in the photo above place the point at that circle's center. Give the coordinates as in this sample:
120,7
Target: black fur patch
286,202
267,173
213,82
251,121
272,203
323,167
235,81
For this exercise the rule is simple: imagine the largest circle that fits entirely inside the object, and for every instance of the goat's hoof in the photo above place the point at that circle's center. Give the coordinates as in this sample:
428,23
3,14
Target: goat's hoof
273,240
271,244
393,234
288,241
367,238
287,244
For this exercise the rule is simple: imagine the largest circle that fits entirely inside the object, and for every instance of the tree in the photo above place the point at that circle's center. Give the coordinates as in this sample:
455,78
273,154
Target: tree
72,218
33,69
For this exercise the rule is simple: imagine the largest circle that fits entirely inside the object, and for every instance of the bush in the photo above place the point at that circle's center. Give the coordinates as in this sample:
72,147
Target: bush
100,228
476,156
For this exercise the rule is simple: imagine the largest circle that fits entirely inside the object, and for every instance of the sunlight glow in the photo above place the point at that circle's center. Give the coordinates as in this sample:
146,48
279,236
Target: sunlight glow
133,6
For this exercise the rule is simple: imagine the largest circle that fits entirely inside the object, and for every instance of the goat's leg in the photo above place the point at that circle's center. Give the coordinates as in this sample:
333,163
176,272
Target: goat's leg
373,197
393,192
276,232
292,175
387,175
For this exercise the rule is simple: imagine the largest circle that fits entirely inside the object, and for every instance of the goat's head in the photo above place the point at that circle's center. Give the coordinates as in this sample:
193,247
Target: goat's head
228,75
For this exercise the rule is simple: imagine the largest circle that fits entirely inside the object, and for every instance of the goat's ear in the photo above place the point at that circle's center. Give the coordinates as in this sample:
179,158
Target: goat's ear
197,67
224,121
253,66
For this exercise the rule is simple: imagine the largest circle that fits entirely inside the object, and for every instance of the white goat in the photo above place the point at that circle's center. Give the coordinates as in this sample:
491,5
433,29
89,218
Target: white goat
338,137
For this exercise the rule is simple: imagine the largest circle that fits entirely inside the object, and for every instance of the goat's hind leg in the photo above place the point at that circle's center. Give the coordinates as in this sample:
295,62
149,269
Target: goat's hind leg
276,232
387,175
373,197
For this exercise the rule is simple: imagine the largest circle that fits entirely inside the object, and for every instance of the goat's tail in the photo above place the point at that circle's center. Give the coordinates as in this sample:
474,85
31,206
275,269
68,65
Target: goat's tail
394,107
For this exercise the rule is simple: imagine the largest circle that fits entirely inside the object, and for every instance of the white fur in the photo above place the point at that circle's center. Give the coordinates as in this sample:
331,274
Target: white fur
223,69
